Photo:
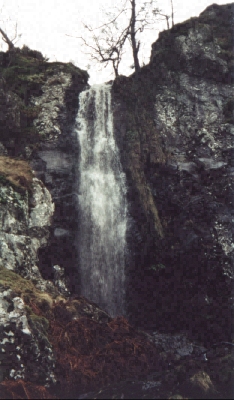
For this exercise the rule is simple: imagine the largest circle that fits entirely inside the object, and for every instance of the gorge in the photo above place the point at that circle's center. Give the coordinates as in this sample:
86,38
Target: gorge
116,222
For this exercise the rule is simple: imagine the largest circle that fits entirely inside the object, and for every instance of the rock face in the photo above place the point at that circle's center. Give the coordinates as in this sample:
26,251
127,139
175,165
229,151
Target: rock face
25,221
26,352
175,130
55,163
39,105
39,102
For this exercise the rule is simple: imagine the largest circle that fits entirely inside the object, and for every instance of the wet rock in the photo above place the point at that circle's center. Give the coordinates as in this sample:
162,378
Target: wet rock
178,165
54,162
178,345
127,390
60,280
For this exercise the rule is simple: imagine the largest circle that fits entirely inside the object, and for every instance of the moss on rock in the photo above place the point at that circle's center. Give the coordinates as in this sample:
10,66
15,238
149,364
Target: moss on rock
25,74
38,302
37,322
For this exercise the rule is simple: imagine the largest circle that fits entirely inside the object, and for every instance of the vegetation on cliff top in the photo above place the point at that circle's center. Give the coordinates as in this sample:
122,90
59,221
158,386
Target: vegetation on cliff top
25,71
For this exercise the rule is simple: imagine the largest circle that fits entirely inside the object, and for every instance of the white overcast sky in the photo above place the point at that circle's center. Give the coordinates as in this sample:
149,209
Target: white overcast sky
45,24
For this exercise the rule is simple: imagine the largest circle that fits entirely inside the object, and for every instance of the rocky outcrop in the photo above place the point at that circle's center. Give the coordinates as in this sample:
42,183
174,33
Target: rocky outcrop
175,132
40,102
26,352
25,221
30,304
55,163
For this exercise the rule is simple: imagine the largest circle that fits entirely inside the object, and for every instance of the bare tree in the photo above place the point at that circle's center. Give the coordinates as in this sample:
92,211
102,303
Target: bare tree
5,36
166,18
156,12
108,44
135,44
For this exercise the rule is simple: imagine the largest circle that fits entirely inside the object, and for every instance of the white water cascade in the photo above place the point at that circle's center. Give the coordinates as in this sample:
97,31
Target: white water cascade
102,203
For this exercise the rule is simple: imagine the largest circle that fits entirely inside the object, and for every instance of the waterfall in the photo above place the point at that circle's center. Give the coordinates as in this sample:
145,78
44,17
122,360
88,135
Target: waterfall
102,203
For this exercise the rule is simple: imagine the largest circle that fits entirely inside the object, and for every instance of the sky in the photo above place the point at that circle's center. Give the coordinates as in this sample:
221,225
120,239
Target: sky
52,27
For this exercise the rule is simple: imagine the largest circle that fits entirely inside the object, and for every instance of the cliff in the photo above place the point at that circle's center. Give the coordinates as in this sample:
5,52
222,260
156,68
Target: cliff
39,101
174,126
175,130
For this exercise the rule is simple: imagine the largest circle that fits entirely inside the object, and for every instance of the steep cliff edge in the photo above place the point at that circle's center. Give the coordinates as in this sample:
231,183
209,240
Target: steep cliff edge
38,106
39,102
175,127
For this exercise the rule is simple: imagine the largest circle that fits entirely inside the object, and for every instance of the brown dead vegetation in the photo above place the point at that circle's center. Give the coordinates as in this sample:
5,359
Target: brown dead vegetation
91,354
23,390
17,172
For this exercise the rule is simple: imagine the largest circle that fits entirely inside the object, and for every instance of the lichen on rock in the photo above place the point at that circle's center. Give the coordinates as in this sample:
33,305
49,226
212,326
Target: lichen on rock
180,105
25,351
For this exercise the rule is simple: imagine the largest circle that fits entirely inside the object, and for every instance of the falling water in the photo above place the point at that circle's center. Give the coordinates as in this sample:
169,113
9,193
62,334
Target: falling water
102,203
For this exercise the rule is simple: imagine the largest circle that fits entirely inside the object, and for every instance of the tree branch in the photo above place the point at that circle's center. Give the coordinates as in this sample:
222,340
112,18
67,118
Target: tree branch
108,45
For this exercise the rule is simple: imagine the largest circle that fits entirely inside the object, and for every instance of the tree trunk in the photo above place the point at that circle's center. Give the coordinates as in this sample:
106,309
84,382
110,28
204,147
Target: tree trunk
172,13
135,47
116,70
7,40
167,18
